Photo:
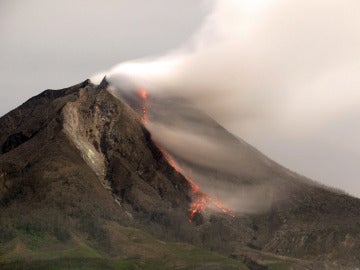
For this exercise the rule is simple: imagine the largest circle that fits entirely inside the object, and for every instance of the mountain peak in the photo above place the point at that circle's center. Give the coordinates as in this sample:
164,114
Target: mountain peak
79,161
104,83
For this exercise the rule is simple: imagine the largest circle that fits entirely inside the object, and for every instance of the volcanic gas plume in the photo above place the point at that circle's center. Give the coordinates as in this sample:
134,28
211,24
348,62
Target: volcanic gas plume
283,75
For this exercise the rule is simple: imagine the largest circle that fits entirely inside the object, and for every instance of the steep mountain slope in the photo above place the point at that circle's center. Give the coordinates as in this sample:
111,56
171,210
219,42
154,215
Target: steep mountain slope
79,170
277,210
284,212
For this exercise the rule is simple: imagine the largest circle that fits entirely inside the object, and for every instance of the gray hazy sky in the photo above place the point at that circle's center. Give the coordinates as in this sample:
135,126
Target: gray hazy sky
55,44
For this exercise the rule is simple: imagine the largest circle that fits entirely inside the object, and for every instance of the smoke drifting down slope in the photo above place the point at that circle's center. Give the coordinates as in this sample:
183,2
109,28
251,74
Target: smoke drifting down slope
281,75
200,201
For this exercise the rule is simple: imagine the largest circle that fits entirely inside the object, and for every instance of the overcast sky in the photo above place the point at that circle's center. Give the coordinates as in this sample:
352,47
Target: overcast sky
54,44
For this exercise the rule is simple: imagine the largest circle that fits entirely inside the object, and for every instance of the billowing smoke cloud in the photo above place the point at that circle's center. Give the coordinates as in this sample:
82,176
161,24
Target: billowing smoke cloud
277,73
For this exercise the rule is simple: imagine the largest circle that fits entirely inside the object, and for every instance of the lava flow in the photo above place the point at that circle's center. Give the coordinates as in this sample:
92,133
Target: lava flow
143,96
201,201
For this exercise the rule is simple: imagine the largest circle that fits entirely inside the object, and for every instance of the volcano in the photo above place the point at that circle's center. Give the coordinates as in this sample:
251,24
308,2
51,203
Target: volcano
85,184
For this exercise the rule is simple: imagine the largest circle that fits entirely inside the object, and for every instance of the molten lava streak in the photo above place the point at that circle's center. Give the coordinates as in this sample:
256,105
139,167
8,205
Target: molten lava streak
143,96
201,201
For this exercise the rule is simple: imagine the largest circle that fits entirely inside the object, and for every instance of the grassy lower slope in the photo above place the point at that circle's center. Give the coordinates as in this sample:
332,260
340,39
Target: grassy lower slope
134,250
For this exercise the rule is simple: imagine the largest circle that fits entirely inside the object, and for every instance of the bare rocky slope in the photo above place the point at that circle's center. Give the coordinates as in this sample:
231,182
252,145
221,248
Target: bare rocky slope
78,164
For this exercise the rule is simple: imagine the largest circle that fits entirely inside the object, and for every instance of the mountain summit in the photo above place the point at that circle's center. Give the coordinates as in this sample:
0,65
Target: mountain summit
82,182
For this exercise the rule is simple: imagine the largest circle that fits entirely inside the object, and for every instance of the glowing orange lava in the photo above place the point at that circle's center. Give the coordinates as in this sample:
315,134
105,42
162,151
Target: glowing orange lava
143,96
200,201
143,93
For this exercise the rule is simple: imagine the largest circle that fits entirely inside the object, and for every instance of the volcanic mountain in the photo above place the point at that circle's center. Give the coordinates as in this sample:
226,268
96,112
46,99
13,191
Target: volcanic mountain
83,183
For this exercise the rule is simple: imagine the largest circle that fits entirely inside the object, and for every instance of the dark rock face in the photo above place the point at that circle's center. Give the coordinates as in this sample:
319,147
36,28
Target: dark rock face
13,141
79,158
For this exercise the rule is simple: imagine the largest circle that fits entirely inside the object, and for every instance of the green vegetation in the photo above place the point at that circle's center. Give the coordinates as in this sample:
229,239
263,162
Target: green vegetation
195,256
32,249
82,263
34,239
280,266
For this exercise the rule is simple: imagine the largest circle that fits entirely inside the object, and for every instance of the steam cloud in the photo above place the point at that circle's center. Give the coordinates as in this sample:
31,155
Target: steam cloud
273,72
